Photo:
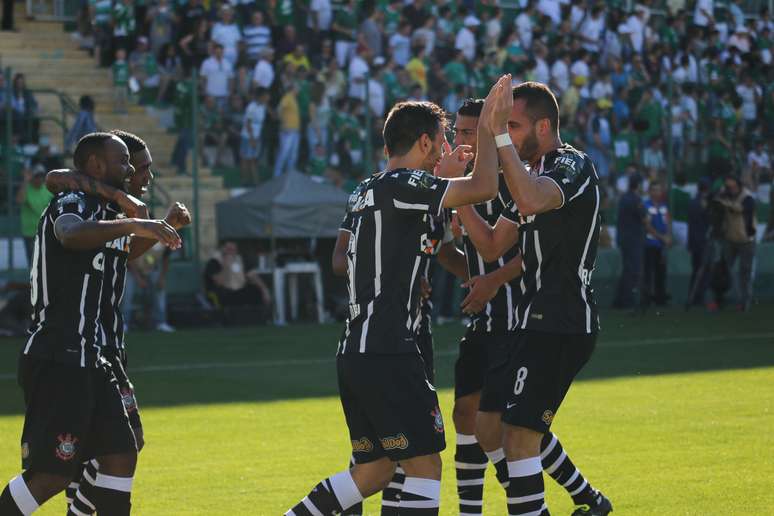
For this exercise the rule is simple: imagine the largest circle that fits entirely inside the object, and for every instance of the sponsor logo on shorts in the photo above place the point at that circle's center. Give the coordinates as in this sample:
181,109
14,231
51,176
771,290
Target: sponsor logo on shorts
127,396
398,442
548,417
362,445
437,419
65,450
25,450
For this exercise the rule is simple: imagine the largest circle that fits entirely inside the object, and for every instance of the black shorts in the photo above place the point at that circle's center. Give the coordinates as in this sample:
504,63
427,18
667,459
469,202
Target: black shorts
538,374
390,406
117,359
481,352
425,345
71,413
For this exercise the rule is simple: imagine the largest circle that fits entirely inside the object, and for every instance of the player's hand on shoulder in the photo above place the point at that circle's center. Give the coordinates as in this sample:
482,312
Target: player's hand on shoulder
132,207
158,230
178,216
453,163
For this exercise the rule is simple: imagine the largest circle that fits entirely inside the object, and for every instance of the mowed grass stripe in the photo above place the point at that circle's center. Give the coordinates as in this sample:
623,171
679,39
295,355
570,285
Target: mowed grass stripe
444,354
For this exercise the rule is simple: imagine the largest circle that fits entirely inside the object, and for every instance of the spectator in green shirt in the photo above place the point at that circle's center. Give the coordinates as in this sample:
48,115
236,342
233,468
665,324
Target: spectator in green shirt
32,198
455,71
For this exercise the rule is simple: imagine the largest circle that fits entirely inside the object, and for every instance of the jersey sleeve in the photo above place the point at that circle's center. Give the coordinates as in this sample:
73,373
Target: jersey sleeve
419,191
511,213
346,224
74,203
572,174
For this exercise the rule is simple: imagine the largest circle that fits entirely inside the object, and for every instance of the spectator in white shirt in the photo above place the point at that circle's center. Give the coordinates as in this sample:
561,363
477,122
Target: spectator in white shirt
523,23
580,68
552,9
704,13
751,95
257,36
358,70
560,72
602,88
227,34
400,44
635,29
217,74
263,75
252,129
592,28
466,40
320,15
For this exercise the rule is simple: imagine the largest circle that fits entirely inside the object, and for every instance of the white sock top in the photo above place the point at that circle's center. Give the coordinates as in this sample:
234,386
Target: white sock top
22,496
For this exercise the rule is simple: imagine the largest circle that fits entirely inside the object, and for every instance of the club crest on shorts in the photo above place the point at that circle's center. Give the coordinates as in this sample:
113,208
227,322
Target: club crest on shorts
548,417
398,442
127,397
25,450
437,419
362,445
65,450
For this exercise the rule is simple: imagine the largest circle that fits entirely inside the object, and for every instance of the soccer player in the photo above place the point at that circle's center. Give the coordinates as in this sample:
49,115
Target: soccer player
117,254
390,407
557,224
73,405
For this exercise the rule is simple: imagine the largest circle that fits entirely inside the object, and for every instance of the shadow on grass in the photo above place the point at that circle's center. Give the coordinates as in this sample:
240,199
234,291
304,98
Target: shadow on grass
268,363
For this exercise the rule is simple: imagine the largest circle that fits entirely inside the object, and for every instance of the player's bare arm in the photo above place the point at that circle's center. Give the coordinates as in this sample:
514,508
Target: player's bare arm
453,260
339,257
481,186
177,216
64,179
532,194
484,288
490,242
76,233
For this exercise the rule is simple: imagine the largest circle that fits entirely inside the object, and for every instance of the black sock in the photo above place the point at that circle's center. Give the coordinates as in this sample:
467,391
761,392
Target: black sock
16,499
111,495
525,488
80,494
391,494
420,497
331,496
497,458
470,463
557,463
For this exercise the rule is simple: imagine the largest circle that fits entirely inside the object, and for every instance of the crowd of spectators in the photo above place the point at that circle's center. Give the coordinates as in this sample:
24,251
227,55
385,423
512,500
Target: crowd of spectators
304,85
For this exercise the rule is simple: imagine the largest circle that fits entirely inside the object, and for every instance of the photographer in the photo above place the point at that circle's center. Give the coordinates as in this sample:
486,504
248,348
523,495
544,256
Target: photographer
738,234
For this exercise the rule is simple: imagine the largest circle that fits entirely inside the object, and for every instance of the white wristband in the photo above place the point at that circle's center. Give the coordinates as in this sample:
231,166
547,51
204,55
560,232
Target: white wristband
503,140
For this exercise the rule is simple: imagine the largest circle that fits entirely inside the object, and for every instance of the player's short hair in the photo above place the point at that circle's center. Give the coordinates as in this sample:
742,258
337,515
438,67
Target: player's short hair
408,121
471,107
87,146
540,102
133,142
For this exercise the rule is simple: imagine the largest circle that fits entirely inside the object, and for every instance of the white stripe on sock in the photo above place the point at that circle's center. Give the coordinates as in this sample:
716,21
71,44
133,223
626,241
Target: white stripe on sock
496,455
525,467
83,499
426,487
572,478
528,498
21,496
466,465
418,504
463,439
531,513
75,511
581,488
550,447
345,490
471,482
390,503
471,502
123,484
91,480
310,506
395,485
553,467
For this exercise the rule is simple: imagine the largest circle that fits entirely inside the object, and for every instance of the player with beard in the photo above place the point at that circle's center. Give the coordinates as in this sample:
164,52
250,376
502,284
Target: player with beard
79,492
390,407
73,407
554,215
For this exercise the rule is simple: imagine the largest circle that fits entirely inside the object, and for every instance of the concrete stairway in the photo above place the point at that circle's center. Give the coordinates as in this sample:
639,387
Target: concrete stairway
50,60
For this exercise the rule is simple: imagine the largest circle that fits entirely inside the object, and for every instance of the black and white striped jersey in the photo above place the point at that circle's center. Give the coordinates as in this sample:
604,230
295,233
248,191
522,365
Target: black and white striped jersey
559,249
66,288
438,234
116,259
498,315
387,253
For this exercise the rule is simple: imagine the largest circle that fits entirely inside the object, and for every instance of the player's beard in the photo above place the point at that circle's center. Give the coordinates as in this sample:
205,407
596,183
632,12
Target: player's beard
431,161
529,148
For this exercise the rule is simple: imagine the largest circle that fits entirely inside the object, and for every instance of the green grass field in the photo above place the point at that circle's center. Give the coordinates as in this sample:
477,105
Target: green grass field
672,416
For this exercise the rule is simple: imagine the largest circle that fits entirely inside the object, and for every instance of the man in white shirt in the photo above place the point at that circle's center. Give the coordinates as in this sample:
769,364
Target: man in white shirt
466,40
400,44
320,15
257,36
635,28
227,34
217,74
552,9
704,13
263,75
523,23
252,129
358,70
750,94
592,28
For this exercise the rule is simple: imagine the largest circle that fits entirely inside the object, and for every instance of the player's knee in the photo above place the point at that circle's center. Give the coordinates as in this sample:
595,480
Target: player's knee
119,464
489,430
521,443
45,485
464,414
426,466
